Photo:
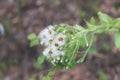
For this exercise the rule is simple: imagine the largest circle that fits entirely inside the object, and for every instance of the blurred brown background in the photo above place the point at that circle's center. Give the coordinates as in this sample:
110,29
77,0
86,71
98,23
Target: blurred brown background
21,17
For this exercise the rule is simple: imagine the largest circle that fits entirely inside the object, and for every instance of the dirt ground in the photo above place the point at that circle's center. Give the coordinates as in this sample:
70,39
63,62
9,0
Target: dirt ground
21,17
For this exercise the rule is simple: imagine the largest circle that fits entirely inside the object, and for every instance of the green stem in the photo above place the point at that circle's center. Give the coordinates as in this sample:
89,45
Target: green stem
73,54
86,52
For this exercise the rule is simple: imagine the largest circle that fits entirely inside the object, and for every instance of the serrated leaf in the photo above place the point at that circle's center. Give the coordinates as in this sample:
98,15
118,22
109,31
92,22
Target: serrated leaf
34,42
117,40
104,17
31,36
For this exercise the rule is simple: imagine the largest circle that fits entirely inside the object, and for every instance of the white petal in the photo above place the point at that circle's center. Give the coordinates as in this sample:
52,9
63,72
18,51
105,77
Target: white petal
46,34
49,41
61,53
46,52
50,27
60,39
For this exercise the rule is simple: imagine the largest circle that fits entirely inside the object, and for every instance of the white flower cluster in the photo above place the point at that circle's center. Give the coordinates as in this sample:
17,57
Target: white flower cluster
52,41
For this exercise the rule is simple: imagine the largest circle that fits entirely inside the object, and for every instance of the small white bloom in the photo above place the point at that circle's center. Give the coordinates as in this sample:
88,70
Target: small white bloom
50,52
43,36
61,52
50,27
46,34
55,45
49,41
59,40
47,52
50,30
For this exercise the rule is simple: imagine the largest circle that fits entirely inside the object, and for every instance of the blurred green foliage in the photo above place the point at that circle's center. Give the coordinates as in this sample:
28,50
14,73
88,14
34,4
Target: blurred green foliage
33,77
102,75
6,23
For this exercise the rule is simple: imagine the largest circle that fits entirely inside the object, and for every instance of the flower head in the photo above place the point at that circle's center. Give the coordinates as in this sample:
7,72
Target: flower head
47,35
53,42
50,52
59,40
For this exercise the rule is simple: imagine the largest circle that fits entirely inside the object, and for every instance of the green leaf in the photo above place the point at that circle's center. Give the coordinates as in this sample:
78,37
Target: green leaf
116,22
71,64
88,24
102,75
117,40
33,77
2,64
34,42
78,27
82,42
46,78
81,59
104,17
51,73
92,21
91,27
41,59
92,51
31,36
6,23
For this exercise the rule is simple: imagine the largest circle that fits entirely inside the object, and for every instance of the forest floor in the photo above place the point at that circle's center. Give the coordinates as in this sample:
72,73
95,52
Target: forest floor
21,17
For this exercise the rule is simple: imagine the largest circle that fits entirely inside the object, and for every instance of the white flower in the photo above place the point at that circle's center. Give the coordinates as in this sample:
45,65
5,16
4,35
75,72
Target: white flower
59,40
43,36
50,52
50,31
61,52
49,41
50,27
53,42
47,52
47,34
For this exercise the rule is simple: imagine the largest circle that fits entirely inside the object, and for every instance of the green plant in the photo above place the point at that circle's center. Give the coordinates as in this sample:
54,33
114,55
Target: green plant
102,75
62,42
33,76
